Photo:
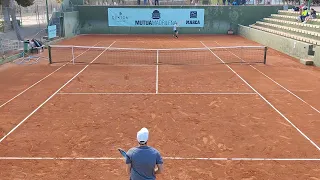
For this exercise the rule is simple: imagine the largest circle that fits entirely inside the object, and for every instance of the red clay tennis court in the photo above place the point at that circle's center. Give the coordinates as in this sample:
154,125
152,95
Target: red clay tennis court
213,108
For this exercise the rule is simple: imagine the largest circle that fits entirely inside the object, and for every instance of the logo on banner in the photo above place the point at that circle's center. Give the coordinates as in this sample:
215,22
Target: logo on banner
120,17
156,14
193,14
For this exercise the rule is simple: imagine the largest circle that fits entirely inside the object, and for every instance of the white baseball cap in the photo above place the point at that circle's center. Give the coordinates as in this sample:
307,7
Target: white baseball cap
143,135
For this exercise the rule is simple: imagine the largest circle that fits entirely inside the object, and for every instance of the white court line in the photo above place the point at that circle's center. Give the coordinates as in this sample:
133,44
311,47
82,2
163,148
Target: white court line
275,82
175,93
34,111
284,117
302,90
167,41
166,158
157,74
43,79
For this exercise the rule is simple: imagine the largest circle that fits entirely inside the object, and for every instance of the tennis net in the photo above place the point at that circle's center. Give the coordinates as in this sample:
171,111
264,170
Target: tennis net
142,56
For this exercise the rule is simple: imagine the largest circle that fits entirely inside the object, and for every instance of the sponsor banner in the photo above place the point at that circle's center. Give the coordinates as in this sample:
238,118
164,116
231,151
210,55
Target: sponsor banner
155,17
52,31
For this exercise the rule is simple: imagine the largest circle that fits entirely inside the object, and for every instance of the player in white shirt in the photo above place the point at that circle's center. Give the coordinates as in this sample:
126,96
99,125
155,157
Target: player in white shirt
175,30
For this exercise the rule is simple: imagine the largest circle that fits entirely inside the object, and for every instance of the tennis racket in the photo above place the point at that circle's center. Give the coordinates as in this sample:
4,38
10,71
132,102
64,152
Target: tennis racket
123,153
180,22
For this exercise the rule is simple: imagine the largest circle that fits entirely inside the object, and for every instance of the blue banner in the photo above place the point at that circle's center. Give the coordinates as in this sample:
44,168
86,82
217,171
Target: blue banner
52,31
155,17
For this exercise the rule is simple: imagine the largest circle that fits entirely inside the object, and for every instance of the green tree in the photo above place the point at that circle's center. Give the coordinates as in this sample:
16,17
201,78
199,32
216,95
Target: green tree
25,3
9,9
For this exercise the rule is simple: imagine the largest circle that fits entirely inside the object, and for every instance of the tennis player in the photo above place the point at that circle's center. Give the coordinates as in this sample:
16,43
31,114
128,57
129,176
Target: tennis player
175,30
144,162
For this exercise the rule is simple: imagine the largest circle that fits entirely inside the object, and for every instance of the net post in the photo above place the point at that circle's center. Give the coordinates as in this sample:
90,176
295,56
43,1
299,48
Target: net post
265,55
50,57
157,73
72,55
157,56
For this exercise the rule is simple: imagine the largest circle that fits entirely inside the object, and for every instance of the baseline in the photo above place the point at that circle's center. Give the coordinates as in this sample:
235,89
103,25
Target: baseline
132,93
167,158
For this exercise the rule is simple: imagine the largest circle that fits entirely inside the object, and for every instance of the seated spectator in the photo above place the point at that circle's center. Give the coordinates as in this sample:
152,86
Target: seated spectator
313,15
303,4
296,9
235,3
121,2
300,7
303,15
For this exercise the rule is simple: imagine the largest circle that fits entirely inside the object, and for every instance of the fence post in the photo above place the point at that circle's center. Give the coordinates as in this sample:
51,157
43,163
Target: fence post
20,15
47,13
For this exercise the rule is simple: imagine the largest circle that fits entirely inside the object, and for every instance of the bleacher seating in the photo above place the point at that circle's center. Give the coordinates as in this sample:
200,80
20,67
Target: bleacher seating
285,24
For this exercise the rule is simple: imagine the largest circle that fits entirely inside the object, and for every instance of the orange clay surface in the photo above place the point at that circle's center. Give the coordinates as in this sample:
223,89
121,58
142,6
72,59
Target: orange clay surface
200,111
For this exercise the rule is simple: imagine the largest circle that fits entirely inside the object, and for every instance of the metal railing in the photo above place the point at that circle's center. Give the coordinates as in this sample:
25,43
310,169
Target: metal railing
194,2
